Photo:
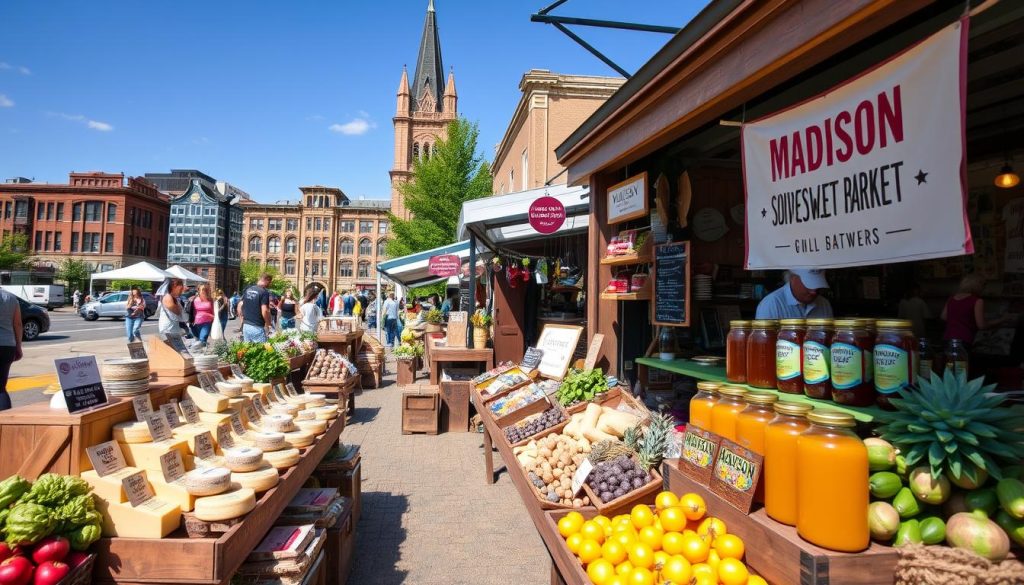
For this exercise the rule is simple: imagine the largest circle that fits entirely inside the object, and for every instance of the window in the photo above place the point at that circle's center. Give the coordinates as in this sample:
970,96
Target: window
316,245
309,221
291,246
345,269
256,244
309,203
382,246
93,210
289,267
525,170
366,227
76,212
309,244
108,245
346,226
21,209
7,210
60,211
383,226
49,211
274,224
316,268
74,242
326,246
58,238
364,270
316,224
327,224
91,242
426,151
112,213
365,247
48,242
40,210
346,247
274,263
256,224
293,224
39,241
415,150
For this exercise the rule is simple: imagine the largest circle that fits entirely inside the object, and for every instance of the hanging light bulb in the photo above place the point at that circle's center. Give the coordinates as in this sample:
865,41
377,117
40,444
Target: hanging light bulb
1007,179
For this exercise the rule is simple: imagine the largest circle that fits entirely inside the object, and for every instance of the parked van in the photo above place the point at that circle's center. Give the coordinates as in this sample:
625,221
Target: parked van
50,296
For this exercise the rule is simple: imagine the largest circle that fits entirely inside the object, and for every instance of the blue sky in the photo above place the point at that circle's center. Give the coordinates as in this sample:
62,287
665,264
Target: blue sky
261,94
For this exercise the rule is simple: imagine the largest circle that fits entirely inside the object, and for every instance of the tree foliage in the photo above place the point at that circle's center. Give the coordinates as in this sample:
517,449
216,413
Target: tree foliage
455,173
249,272
14,252
73,272
144,285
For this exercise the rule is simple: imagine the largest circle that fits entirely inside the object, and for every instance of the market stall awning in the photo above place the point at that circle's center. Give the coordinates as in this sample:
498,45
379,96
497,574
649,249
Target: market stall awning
504,219
187,275
412,270
139,271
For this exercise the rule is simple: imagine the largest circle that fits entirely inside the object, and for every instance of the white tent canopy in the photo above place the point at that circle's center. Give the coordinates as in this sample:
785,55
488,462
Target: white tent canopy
413,270
187,275
140,271
504,219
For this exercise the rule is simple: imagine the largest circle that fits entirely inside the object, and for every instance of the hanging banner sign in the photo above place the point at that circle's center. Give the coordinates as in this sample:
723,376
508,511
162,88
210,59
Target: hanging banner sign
547,215
870,172
445,265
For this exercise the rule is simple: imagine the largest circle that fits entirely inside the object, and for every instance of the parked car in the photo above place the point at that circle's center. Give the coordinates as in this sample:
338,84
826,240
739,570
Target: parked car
114,305
34,320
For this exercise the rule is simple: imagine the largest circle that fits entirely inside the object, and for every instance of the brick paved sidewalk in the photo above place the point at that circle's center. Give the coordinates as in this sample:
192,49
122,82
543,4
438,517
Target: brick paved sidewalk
428,517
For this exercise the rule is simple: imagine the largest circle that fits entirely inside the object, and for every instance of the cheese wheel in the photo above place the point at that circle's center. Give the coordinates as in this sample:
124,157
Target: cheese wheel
283,459
228,389
315,400
299,438
281,408
325,412
280,423
207,481
258,480
237,502
305,415
267,440
243,458
132,432
215,461
317,427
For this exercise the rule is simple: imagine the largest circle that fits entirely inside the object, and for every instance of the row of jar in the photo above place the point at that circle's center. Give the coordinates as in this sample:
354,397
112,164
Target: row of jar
815,470
855,362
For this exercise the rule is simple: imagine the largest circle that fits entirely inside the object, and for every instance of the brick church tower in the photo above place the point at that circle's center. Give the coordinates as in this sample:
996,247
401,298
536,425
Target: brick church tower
424,110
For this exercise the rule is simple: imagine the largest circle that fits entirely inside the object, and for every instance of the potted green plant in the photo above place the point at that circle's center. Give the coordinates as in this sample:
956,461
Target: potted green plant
481,321
406,356
434,318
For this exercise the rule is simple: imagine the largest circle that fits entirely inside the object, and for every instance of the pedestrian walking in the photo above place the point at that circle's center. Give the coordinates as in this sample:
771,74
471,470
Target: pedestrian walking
288,307
135,314
390,311
76,299
10,341
309,314
256,311
201,314
172,317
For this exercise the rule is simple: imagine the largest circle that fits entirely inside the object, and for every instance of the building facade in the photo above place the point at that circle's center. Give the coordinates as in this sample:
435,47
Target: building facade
424,110
100,218
205,234
324,238
551,108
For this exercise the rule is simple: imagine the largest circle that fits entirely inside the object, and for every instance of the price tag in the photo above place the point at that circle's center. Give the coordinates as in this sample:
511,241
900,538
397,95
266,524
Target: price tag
291,389
593,351
237,371
206,382
172,466
188,408
80,383
138,489
257,403
204,446
280,392
582,472
531,359
217,376
250,412
143,406
170,412
106,458
224,436
699,450
735,475
137,350
158,427
236,424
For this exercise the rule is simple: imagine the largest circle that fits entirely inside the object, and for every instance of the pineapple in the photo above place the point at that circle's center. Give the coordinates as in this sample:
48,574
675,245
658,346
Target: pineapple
631,438
608,449
654,441
956,427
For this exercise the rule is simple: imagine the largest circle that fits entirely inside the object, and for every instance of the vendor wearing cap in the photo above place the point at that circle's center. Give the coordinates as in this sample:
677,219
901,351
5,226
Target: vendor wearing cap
798,298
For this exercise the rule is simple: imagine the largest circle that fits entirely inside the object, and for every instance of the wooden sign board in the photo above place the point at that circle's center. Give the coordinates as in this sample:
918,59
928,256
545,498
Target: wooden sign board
593,351
735,475
457,329
558,342
628,200
700,449
671,277
137,350
80,383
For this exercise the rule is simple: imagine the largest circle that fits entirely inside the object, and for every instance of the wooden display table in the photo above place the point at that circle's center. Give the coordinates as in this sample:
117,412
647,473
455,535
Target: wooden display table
345,391
346,344
440,354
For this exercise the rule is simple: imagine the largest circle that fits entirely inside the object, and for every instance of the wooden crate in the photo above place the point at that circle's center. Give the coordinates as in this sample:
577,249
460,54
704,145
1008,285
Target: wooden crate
406,370
455,406
421,410
347,477
643,495
338,548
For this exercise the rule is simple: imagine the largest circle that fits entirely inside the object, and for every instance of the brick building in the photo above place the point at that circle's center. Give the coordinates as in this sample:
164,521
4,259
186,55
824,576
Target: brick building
551,108
324,238
424,110
100,218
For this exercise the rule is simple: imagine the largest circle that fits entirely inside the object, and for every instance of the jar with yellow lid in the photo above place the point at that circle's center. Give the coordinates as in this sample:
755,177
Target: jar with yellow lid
761,353
736,352
832,483
817,371
701,404
851,381
724,412
895,358
788,356
780,460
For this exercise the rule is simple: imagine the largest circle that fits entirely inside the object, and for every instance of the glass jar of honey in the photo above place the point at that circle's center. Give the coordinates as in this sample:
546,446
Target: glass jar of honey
850,345
752,420
736,352
817,371
832,467
701,403
895,359
788,356
869,353
780,460
761,353
725,411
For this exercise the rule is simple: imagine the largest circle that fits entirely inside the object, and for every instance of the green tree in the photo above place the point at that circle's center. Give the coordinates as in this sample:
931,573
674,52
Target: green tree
73,272
249,272
14,252
144,285
455,173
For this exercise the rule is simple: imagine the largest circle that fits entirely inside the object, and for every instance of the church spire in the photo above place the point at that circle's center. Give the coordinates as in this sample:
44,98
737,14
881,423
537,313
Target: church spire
426,87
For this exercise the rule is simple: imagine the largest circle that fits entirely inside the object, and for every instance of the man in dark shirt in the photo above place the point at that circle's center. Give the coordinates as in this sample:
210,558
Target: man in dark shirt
256,310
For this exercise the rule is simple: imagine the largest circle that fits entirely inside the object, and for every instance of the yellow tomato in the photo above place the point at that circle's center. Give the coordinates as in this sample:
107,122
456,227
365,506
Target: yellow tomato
660,558
713,559
576,516
664,500
695,549
574,542
672,543
614,552
642,516
568,526
651,536
622,523
729,546
590,551
694,506
640,576
677,569
756,580
624,568
732,572
641,555
626,538
602,520
705,571
616,580
704,580
711,528
673,519
600,571
593,531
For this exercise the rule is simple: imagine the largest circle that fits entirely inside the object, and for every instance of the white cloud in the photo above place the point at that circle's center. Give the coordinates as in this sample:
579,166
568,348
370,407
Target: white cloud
24,70
6,102
354,127
101,126
5,65
91,124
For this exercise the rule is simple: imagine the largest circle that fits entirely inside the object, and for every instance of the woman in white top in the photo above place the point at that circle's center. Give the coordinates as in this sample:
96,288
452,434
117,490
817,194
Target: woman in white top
309,313
171,314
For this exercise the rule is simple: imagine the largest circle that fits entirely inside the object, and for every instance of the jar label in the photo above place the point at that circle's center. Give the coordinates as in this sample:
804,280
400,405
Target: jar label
816,363
869,365
847,366
787,360
892,372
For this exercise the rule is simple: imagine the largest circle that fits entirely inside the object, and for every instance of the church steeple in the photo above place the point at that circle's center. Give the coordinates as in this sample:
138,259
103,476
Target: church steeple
427,92
403,94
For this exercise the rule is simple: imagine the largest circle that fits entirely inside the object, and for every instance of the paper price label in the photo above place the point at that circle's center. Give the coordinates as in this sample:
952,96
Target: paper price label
204,446
237,371
159,428
137,488
581,475
137,351
236,424
172,466
106,458
170,412
206,382
251,413
279,391
143,406
188,408
291,389
224,436
257,403
217,376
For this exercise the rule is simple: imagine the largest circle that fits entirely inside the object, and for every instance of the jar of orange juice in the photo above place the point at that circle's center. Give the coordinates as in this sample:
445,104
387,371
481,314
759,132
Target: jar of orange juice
701,403
724,412
832,483
780,459
752,420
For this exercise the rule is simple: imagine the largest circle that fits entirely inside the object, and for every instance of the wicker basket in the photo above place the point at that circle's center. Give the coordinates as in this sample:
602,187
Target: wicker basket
82,574
943,565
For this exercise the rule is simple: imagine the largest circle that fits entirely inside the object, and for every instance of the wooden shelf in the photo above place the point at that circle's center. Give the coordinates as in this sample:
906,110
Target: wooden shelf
565,289
626,260
643,295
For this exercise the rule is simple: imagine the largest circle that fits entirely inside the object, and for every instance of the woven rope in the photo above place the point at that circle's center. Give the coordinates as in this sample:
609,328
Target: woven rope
942,565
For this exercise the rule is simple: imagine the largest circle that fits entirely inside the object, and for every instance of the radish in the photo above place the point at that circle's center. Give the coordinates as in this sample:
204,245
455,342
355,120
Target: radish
16,571
51,548
51,573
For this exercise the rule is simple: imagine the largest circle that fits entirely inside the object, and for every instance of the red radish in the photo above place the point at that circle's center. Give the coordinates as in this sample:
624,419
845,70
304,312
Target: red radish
16,571
6,551
76,558
51,548
51,573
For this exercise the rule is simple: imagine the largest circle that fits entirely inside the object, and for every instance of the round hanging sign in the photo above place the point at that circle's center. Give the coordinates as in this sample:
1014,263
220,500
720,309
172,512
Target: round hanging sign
547,215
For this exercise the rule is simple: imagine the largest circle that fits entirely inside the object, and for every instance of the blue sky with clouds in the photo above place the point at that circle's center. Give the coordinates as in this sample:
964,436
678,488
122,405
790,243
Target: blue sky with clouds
270,95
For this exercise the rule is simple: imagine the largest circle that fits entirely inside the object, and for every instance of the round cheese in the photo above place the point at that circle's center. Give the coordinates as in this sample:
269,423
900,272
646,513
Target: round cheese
228,389
215,461
243,458
207,481
305,415
132,432
258,480
283,459
317,427
267,440
280,423
281,408
237,502
299,438
325,412
315,400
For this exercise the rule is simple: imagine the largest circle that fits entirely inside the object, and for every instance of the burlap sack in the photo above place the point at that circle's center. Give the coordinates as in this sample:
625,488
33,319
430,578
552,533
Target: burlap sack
943,565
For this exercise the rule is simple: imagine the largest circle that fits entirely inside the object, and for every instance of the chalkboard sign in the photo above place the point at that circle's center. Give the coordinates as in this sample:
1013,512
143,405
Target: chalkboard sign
671,275
464,295
531,359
